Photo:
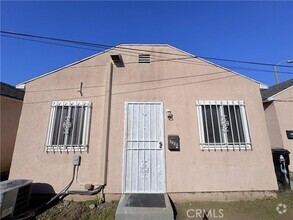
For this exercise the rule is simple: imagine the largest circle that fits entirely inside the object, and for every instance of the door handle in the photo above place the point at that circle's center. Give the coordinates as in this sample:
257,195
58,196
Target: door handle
160,144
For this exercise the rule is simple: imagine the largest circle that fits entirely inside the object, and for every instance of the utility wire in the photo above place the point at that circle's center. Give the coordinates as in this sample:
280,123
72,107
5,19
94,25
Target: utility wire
46,42
134,49
128,53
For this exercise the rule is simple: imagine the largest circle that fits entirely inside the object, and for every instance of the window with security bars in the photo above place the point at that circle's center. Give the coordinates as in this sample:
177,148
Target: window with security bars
68,126
223,125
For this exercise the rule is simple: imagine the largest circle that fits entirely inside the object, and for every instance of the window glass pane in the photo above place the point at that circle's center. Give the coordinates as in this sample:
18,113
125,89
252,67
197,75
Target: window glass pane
240,125
81,126
78,125
216,114
204,124
62,129
56,124
71,119
233,126
211,124
229,130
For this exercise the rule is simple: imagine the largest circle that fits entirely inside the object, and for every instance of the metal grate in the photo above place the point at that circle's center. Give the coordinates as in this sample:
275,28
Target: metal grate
22,199
68,126
146,200
144,58
223,125
144,170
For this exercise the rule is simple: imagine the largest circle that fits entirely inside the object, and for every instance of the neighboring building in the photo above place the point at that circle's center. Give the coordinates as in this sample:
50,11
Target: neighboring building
11,104
278,105
117,108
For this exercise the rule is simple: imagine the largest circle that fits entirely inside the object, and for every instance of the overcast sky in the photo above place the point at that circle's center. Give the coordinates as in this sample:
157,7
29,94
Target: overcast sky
249,31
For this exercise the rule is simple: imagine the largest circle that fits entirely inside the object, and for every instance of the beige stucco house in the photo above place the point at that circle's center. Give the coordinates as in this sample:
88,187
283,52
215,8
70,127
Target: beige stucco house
278,105
10,105
146,119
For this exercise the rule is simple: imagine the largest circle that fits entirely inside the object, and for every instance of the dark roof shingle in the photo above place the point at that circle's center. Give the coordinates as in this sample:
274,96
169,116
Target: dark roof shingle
273,90
10,91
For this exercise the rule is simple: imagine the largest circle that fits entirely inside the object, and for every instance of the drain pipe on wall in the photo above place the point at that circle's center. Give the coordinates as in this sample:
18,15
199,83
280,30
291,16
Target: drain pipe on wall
106,125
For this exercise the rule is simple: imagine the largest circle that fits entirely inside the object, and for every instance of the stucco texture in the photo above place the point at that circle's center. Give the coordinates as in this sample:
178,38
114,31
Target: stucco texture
279,117
10,113
176,83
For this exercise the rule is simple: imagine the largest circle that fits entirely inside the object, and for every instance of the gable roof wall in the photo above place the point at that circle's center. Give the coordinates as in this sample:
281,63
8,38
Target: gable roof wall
22,85
276,89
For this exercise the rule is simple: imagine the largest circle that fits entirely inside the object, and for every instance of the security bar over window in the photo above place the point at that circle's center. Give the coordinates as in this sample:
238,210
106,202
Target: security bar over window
223,125
68,126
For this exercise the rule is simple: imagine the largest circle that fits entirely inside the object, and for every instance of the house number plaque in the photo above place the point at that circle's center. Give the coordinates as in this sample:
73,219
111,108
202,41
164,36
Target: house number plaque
173,142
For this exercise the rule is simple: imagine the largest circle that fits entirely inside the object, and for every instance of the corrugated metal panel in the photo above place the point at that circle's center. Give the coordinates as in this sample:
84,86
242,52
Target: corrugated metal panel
144,170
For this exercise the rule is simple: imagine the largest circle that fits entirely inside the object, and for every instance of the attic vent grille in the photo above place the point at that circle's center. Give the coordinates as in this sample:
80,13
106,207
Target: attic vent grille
144,58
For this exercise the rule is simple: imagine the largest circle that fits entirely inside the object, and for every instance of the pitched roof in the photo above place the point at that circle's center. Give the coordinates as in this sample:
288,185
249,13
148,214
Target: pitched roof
22,85
11,91
274,90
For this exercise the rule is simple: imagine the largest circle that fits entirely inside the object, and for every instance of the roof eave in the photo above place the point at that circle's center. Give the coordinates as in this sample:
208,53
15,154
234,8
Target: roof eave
271,98
20,86
261,85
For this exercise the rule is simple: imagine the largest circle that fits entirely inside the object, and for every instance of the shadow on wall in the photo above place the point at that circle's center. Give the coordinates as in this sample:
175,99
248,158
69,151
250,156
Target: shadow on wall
42,188
41,193
4,175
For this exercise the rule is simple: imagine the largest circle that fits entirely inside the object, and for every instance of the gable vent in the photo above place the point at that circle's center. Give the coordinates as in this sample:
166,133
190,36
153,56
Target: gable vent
144,58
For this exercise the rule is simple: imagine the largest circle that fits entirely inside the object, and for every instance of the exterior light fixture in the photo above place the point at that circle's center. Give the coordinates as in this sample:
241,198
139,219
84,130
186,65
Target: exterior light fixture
169,114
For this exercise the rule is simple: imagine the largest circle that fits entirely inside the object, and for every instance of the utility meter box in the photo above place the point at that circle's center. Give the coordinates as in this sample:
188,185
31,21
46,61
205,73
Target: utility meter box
173,142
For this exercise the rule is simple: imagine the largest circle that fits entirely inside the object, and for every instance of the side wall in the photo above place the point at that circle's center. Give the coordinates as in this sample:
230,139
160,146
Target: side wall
10,113
279,116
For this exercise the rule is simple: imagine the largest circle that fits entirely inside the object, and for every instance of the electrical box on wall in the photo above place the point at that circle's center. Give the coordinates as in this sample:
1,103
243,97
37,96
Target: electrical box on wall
173,142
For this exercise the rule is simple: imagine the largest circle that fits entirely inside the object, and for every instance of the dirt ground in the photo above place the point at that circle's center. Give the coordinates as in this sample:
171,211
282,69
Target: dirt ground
253,210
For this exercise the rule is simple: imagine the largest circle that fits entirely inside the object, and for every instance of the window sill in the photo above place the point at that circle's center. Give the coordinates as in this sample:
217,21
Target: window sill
66,149
226,148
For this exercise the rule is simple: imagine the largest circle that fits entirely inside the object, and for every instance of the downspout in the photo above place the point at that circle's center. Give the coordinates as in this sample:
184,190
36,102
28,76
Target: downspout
106,125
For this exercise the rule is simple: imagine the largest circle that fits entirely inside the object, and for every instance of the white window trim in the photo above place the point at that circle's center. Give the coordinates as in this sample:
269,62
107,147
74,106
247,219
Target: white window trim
61,148
223,145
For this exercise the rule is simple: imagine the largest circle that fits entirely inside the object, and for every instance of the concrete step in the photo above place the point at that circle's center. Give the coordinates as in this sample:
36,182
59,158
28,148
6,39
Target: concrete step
144,206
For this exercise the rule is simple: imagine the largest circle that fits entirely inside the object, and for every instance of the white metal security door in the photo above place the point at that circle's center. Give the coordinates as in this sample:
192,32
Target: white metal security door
144,160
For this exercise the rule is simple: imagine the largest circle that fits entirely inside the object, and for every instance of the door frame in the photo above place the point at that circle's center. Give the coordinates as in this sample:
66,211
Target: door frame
125,138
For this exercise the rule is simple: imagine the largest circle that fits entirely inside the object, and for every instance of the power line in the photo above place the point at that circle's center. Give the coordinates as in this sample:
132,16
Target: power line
104,46
45,42
181,60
